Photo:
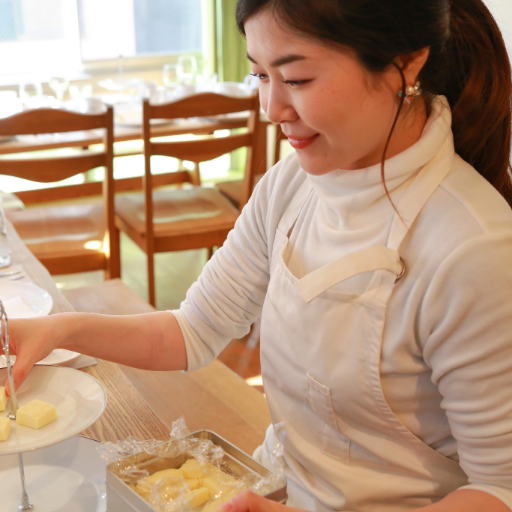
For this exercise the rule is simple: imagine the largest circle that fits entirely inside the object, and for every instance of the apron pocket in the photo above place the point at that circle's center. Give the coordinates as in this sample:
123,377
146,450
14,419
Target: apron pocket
334,443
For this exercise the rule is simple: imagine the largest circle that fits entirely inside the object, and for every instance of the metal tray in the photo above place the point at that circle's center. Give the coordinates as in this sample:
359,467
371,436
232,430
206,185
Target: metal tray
121,498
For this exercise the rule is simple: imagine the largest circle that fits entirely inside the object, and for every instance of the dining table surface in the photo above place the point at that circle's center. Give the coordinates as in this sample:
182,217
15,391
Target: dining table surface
144,404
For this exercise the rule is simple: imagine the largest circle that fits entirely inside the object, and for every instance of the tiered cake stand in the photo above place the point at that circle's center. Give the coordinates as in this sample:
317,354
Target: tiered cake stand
79,398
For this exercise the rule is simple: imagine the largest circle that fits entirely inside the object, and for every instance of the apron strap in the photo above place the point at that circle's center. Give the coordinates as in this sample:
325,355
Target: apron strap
367,260
419,192
294,208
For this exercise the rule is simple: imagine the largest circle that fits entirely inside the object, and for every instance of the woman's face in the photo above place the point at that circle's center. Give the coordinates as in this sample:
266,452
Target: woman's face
333,112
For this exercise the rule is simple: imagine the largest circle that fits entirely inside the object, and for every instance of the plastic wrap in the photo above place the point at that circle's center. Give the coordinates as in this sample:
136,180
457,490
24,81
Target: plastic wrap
134,462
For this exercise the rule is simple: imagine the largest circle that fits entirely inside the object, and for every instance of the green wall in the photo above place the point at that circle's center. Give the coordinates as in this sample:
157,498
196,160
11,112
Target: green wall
232,63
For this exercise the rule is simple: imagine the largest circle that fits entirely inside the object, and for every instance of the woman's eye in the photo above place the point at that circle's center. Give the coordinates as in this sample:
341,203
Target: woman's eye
295,83
261,76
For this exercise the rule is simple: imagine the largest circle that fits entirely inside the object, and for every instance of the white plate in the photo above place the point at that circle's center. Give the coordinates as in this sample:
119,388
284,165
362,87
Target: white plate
79,398
39,301
59,357
67,477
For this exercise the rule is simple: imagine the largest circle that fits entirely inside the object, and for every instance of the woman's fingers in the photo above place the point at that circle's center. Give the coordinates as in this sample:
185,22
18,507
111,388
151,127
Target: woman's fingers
20,371
247,501
30,340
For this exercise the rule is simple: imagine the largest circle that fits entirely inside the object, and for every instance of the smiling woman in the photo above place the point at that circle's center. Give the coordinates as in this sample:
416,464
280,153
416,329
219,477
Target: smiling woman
386,317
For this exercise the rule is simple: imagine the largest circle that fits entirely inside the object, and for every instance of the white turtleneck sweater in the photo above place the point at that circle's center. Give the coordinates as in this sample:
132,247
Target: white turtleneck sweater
446,364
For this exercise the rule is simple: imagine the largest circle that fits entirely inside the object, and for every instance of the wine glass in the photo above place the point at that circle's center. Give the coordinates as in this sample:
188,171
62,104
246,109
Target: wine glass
59,85
170,75
186,69
28,90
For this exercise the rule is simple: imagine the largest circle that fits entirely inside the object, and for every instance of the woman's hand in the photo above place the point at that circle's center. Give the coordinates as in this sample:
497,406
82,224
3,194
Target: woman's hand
247,501
31,340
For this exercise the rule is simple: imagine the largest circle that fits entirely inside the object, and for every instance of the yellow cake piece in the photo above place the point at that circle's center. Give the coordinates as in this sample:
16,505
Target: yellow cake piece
3,398
210,469
36,414
219,484
193,469
193,483
171,474
197,497
5,429
215,504
170,483
142,489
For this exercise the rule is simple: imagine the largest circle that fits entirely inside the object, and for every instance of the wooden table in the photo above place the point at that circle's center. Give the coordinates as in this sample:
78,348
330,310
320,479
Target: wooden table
144,404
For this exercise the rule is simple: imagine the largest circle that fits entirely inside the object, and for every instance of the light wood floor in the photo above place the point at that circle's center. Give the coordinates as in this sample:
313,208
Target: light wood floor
175,273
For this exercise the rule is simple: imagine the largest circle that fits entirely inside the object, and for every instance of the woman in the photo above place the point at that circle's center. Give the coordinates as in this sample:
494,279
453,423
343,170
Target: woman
385,303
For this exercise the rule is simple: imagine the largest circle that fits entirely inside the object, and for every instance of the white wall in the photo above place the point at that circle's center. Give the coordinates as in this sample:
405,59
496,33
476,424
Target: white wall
502,11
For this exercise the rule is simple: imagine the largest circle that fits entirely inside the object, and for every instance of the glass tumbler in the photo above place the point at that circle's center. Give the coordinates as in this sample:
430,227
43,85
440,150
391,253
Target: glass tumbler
170,75
187,69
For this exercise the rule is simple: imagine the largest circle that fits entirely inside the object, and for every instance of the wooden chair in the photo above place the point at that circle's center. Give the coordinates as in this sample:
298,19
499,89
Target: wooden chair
75,237
233,189
186,218
11,201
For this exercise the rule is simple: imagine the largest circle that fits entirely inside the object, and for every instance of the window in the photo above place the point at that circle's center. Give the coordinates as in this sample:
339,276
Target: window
24,20
37,35
132,28
43,37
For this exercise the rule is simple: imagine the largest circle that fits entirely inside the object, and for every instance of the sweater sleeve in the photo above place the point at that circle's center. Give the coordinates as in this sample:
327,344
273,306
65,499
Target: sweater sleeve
467,325
228,296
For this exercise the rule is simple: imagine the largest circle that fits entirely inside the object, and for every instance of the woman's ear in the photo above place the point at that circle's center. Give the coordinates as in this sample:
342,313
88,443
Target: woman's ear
412,64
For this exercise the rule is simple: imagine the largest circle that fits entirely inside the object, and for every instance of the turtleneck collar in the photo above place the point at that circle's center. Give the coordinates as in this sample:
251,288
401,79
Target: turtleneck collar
353,198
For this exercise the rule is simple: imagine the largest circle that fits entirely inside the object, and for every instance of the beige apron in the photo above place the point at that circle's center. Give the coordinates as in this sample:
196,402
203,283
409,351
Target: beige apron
321,353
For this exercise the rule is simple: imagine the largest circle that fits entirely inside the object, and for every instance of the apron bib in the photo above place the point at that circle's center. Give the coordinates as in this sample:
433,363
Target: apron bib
320,358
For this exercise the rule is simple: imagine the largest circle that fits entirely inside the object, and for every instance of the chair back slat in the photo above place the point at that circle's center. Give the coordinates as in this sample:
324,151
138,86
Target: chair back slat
47,195
52,169
200,105
49,120
201,150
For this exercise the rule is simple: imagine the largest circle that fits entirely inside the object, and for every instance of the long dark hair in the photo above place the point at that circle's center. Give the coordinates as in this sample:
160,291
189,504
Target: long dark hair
468,62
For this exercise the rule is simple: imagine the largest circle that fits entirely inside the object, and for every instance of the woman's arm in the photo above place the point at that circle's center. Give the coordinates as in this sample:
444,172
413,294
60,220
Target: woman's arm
467,500
466,322
152,341
222,305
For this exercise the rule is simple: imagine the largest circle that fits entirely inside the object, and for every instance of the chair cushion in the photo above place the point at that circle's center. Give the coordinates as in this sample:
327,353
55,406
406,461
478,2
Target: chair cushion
62,230
233,189
179,211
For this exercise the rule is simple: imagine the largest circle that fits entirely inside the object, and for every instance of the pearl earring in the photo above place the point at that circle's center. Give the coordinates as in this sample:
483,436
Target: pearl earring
410,92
